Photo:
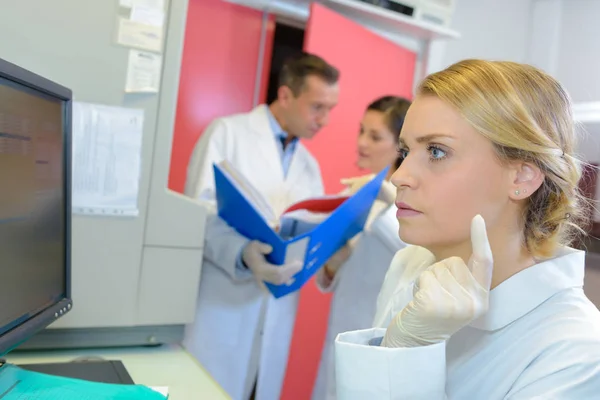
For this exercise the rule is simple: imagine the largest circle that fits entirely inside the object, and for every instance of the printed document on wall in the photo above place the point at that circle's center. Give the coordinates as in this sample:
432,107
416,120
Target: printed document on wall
107,146
146,3
139,35
143,72
150,3
148,15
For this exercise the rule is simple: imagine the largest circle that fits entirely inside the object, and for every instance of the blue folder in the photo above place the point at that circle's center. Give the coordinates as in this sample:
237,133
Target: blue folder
315,246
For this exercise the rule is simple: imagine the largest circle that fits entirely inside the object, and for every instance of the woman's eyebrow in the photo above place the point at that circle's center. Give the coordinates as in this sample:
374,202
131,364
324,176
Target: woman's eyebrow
427,138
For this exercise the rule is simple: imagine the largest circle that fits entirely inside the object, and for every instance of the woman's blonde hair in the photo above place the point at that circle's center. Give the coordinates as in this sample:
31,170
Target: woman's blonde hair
527,115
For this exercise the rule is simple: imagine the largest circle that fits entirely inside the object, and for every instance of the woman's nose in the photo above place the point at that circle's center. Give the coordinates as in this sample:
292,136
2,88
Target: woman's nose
403,177
363,142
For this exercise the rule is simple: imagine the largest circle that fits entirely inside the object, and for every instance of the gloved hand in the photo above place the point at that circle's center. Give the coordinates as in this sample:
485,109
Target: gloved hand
387,193
354,183
253,256
448,296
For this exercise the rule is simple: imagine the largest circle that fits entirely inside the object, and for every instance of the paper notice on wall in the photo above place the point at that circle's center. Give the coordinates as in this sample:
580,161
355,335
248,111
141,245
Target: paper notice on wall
126,3
148,15
160,4
107,146
143,72
139,35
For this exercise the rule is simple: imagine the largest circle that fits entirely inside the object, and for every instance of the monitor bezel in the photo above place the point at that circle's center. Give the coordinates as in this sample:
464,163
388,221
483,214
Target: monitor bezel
37,322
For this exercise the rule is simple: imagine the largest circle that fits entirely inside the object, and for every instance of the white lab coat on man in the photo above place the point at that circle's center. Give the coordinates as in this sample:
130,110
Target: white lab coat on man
240,329
539,339
356,286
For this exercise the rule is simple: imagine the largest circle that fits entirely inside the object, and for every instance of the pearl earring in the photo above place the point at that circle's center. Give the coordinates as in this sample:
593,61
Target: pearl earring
517,192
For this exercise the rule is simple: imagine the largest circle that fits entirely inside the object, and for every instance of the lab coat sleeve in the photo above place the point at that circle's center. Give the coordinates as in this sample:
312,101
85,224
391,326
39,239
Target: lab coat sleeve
365,370
326,284
323,282
222,243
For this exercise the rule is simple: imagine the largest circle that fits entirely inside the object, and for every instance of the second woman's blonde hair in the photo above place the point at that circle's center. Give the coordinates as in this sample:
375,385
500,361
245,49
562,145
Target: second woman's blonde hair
527,115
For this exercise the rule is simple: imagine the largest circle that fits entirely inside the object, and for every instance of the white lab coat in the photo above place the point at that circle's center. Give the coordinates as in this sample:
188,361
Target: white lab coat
239,328
539,339
356,287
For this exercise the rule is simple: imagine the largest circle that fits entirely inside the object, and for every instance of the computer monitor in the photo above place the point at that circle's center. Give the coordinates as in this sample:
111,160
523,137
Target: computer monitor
35,204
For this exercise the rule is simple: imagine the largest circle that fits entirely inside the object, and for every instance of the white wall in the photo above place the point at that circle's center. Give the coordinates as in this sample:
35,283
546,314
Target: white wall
578,64
564,43
490,29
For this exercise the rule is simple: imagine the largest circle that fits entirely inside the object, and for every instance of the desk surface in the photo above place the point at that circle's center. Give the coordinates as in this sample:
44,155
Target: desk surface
169,366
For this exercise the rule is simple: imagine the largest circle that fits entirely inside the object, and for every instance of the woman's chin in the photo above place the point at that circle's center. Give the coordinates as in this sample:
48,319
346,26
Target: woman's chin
412,237
363,164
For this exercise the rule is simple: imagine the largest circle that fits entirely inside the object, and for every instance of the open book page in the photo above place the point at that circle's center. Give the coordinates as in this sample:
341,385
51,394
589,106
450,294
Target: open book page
250,192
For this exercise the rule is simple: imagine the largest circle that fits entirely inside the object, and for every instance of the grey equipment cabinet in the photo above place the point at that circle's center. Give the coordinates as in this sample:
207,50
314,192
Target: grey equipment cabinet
135,280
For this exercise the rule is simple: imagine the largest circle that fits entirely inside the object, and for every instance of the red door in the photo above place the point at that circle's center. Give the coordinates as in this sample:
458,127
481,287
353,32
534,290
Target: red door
370,67
219,38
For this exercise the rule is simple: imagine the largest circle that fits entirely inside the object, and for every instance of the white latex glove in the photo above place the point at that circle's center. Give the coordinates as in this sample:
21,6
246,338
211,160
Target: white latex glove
448,296
253,256
354,183
387,193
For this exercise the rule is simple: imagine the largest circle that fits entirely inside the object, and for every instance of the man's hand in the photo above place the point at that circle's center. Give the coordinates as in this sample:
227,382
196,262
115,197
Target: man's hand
253,256
448,296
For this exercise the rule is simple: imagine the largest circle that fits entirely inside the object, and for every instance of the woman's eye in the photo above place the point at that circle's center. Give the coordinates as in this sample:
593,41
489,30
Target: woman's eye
403,153
436,153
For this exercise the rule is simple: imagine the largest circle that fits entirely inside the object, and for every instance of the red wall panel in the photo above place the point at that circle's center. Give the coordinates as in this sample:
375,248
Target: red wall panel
370,66
218,73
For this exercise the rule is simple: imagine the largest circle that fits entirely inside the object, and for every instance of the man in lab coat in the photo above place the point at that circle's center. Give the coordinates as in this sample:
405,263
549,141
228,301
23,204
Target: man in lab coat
241,334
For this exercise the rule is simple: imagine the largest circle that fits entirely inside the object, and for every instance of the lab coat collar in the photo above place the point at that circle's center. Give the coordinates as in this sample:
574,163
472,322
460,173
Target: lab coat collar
260,125
280,134
259,120
526,290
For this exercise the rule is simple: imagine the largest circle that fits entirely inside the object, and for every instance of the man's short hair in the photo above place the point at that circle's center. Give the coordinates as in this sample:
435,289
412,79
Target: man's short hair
296,69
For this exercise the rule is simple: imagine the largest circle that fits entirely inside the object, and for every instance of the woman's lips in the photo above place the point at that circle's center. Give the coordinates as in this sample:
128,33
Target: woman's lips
405,211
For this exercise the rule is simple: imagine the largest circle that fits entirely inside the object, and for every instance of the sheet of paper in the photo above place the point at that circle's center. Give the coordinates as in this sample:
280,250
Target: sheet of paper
142,36
143,72
164,390
126,3
107,145
160,4
148,15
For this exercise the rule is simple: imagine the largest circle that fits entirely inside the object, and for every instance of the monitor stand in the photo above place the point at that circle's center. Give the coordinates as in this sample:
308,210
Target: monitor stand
95,370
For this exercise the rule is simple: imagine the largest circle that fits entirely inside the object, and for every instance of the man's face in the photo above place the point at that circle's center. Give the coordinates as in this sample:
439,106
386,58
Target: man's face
307,113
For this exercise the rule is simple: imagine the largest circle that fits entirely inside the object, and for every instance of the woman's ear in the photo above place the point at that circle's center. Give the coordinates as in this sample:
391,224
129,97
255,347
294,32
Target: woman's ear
526,179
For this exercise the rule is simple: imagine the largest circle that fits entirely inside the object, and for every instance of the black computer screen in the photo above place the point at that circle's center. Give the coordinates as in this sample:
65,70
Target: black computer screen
32,221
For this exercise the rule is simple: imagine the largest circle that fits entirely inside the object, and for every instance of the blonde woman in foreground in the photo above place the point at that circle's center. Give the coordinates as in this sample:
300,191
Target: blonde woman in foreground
487,303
